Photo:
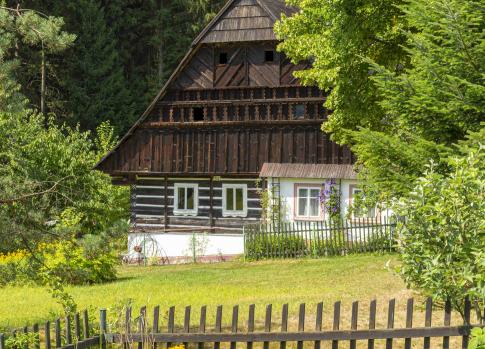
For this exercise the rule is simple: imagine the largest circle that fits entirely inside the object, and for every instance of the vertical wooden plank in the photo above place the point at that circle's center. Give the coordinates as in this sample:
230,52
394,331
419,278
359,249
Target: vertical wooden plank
235,318
35,329
466,322
409,321
284,323
47,335
353,322
85,324
202,323
68,330
447,322
142,325
372,322
58,333
103,327
267,323
171,323
218,327
301,324
77,327
2,341
336,322
427,320
390,321
126,340
318,323
187,323
250,324
156,323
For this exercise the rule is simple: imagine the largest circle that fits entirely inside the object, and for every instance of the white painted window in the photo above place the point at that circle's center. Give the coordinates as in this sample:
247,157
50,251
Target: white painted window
308,202
186,199
361,212
234,200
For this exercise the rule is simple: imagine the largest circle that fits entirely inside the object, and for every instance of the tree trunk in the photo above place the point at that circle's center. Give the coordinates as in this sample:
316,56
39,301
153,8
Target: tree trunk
42,83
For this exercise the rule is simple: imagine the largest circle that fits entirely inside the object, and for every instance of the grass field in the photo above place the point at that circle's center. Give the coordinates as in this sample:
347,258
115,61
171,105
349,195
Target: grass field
291,281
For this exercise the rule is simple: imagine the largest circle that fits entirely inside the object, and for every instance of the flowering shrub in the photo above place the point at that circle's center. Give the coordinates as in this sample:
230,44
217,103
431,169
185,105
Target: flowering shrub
330,199
67,261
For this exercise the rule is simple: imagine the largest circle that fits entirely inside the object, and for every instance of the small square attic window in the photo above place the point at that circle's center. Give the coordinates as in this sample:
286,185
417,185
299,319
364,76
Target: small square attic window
269,56
299,111
223,58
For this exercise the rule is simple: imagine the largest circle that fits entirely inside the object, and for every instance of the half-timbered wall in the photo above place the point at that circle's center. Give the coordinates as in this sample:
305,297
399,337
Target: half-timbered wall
152,205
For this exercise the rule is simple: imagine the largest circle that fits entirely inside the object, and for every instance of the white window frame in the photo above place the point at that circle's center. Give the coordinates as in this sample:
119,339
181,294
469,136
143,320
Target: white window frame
185,212
353,190
235,213
309,187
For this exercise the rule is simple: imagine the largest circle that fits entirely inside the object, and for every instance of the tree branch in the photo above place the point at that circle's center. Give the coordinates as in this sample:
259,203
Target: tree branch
32,195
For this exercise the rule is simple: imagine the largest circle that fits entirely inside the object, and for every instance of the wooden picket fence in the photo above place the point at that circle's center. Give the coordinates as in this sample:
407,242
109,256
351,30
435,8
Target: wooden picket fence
71,332
143,331
318,239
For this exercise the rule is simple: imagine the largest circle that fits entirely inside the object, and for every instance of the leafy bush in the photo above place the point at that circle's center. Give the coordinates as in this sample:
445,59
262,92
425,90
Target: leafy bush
442,241
280,245
478,339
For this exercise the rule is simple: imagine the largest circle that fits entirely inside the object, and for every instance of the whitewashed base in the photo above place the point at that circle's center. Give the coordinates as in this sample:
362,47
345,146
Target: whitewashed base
175,247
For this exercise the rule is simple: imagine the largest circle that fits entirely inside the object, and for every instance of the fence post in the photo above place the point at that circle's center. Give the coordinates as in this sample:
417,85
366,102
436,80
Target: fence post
103,327
2,341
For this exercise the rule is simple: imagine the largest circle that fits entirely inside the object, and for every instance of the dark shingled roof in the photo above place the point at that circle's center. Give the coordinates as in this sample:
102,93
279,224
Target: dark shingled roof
319,171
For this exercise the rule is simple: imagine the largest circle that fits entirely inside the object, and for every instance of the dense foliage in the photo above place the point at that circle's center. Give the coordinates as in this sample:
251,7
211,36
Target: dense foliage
124,51
405,79
60,219
443,238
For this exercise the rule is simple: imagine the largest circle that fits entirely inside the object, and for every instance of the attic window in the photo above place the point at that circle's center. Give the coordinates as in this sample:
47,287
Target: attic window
269,56
223,58
299,111
198,113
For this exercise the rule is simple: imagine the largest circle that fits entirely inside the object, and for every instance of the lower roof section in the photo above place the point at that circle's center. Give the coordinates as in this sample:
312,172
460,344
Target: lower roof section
282,170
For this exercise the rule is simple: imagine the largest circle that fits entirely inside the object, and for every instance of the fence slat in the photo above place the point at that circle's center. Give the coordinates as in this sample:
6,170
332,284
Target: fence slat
301,323
77,327
218,327
187,323
372,322
390,321
35,329
284,323
267,323
336,322
85,324
427,321
170,324
250,324
409,321
466,321
202,323
142,325
447,322
156,323
234,323
318,323
353,322
58,333
47,335
68,330
2,341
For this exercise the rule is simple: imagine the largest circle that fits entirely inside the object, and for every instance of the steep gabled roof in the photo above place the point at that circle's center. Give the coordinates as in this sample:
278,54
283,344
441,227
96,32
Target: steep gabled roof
232,24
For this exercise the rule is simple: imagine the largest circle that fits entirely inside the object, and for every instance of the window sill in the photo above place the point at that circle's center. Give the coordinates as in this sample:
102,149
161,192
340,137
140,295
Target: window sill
234,214
185,213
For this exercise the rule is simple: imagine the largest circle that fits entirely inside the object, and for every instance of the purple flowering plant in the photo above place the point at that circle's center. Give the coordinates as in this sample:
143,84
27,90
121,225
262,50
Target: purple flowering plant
330,199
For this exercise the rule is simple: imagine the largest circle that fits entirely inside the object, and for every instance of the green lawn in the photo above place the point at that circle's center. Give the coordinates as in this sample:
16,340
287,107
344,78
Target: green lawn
348,278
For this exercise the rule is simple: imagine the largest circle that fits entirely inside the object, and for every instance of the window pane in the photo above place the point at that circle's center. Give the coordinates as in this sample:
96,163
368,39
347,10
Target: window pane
302,192
181,198
314,193
302,207
190,198
229,199
314,208
239,199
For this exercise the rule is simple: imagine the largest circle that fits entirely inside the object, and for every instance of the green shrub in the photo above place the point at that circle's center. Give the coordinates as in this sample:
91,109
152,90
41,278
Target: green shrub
274,245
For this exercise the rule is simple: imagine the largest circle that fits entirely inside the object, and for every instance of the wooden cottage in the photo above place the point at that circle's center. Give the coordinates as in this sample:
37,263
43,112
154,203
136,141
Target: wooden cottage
230,114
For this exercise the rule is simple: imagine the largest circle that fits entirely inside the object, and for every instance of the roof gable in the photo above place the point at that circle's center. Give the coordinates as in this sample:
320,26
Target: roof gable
253,18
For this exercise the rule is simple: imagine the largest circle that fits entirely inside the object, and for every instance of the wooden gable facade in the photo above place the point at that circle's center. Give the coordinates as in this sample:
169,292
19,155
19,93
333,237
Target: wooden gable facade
231,106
